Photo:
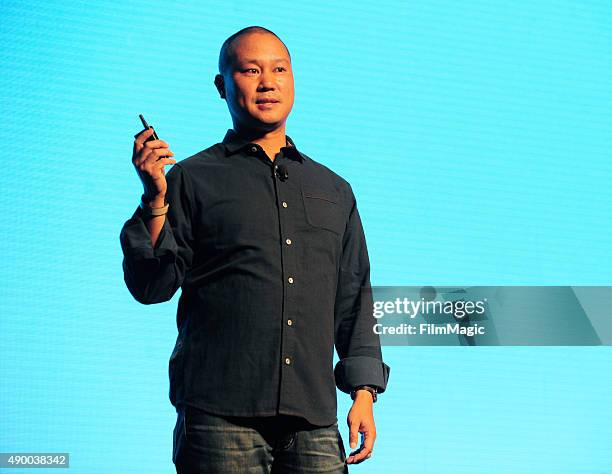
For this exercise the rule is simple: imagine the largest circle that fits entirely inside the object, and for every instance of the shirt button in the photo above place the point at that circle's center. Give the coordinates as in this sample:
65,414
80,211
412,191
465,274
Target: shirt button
287,360
253,149
289,322
290,279
284,204
288,241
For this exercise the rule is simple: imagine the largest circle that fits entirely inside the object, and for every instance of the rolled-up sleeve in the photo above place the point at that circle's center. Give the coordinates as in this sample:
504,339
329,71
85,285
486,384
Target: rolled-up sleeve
358,346
153,274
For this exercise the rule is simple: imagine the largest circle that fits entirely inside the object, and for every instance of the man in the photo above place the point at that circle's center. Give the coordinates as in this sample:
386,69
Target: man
269,250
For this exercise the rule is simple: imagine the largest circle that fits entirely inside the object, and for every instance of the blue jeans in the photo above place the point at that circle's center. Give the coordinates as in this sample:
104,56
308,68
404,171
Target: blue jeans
207,443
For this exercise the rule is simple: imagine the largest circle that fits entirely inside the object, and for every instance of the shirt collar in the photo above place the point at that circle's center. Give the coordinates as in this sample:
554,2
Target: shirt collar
234,142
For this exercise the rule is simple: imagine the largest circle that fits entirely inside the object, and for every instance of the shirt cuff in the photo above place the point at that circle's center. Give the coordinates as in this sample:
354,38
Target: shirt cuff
361,370
136,240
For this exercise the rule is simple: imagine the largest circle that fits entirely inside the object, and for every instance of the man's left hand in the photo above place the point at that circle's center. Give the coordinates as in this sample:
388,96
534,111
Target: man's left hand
361,420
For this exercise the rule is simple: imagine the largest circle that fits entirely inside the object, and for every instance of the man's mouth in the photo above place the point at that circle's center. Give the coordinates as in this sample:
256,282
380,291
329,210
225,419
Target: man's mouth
266,101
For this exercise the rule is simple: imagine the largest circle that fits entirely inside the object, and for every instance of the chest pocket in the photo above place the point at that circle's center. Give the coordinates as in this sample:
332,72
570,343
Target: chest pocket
323,210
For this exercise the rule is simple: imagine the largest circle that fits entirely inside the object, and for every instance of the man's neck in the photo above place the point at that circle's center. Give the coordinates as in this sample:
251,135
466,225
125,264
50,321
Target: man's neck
271,141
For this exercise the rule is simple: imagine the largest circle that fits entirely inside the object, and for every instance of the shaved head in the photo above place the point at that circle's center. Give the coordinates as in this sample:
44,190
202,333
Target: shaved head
256,80
227,49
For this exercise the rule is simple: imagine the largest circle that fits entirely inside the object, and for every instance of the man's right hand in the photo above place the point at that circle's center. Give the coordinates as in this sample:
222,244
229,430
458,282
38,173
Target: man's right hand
149,165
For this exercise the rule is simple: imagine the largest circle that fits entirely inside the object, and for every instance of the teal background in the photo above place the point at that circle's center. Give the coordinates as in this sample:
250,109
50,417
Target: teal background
476,136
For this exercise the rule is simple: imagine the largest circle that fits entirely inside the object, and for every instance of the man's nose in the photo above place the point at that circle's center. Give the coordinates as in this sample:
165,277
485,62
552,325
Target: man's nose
266,81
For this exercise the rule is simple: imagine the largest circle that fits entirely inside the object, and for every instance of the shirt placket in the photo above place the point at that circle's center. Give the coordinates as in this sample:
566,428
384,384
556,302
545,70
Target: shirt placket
286,204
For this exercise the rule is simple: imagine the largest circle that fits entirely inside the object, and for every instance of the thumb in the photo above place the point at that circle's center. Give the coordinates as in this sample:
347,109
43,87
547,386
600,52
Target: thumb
353,434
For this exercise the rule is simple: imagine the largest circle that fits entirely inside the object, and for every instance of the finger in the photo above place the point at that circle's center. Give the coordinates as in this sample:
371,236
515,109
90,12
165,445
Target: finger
142,136
359,461
159,143
360,457
158,165
156,170
153,155
350,459
165,161
141,139
160,153
353,433
367,447
369,438
141,132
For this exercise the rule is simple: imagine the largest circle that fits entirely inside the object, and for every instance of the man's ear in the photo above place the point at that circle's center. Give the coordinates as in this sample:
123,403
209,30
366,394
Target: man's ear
220,84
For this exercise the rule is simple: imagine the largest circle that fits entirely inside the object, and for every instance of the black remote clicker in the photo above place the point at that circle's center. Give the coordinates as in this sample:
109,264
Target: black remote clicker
146,126
153,136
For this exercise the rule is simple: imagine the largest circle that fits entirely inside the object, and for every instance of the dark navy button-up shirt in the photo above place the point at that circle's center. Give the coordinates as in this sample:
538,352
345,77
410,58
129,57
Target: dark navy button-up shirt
272,261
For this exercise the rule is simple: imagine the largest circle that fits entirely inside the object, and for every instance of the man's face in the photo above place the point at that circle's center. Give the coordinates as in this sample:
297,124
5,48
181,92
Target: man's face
258,82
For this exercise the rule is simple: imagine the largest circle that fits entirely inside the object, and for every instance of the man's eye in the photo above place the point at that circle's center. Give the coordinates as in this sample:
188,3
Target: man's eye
250,70
281,68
